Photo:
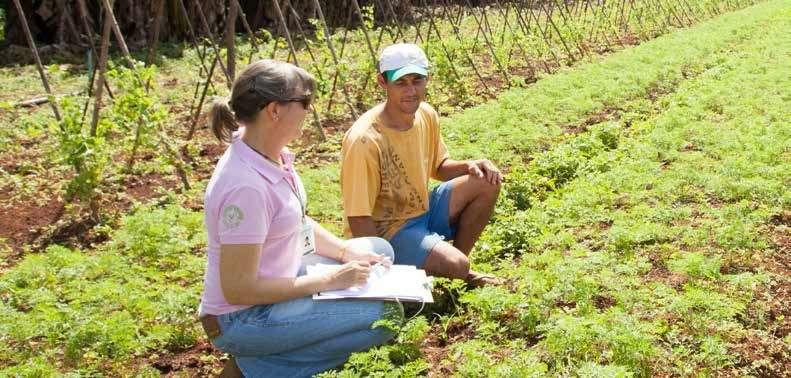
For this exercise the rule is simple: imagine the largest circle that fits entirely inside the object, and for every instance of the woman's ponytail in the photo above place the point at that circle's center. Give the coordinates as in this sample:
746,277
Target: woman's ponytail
222,120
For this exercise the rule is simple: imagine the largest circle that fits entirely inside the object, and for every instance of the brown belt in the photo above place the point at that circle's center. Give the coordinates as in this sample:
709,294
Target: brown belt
211,326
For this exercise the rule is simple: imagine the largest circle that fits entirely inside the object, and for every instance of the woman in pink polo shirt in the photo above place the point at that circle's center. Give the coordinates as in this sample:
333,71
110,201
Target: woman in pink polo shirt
256,303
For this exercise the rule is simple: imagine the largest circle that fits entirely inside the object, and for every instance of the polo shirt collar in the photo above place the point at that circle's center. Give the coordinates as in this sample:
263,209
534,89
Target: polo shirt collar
260,164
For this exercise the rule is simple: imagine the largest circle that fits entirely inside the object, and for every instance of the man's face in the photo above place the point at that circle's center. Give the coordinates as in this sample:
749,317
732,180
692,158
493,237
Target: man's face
406,93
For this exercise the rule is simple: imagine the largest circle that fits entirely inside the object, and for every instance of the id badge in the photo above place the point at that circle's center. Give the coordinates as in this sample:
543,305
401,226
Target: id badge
307,241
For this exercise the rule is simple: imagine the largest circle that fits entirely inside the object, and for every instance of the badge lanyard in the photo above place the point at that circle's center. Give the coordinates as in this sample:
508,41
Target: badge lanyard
292,184
306,232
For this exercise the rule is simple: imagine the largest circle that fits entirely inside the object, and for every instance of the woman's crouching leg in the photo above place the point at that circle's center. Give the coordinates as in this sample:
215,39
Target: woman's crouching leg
330,332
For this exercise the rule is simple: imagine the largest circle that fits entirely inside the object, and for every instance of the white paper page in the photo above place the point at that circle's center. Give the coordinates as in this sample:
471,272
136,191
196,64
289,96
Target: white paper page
402,281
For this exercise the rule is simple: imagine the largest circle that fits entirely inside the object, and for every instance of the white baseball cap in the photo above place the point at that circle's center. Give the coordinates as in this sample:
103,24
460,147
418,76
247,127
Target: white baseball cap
402,59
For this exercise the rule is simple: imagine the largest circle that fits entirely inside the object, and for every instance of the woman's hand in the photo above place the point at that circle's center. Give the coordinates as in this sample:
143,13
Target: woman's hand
354,273
371,258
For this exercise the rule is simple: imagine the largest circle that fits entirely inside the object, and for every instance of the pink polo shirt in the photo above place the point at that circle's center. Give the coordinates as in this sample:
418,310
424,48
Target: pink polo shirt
249,200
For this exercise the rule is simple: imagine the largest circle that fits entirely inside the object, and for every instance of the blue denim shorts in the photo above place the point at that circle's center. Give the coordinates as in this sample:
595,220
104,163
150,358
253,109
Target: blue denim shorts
419,235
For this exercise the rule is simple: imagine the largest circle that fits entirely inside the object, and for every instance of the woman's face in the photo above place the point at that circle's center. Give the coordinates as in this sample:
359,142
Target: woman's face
292,116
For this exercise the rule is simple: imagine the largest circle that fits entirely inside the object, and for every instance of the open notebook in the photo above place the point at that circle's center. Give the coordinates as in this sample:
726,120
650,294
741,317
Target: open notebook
400,282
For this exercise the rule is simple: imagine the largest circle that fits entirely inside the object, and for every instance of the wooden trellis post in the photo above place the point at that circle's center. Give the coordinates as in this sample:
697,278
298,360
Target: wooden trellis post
154,44
32,44
120,39
249,30
193,37
230,39
304,36
395,19
316,119
557,31
328,39
89,34
364,28
197,110
456,33
442,46
103,50
543,32
337,70
503,69
213,41
515,30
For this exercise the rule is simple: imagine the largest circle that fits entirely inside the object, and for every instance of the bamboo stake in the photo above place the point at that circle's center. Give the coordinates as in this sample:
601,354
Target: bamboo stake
560,35
249,30
499,64
328,40
304,37
340,55
285,30
97,106
443,47
365,32
472,64
93,54
230,39
160,10
316,119
32,44
213,41
193,37
197,111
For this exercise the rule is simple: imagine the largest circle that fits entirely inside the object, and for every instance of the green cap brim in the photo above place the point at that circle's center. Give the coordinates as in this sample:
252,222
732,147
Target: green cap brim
396,74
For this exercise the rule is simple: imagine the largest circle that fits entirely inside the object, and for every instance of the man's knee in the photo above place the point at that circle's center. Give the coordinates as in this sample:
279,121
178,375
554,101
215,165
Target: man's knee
490,191
483,187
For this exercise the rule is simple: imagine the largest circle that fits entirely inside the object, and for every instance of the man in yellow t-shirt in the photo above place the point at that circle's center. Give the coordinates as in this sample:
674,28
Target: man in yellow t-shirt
388,157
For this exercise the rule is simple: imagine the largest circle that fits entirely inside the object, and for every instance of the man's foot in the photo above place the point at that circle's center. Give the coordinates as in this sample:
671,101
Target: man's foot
231,370
475,280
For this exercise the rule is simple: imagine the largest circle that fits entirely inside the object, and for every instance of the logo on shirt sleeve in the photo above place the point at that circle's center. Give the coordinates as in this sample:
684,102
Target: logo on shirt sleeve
232,216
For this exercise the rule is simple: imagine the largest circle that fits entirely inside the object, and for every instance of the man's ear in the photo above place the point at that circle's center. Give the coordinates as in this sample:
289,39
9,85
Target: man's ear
380,78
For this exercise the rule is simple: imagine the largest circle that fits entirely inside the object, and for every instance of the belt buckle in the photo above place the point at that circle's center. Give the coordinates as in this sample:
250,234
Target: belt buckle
211,326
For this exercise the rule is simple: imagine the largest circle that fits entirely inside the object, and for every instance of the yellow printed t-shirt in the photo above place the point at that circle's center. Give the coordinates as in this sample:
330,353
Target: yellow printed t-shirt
385,172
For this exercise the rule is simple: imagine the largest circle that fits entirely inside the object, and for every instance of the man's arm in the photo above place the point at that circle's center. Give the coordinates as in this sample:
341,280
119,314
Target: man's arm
362,226
450,169
482,169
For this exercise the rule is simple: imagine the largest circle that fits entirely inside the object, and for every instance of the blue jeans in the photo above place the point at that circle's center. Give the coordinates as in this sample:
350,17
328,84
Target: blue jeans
302,337
415,239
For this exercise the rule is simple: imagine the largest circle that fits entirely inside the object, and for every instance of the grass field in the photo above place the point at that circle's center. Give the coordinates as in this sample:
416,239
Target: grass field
644,230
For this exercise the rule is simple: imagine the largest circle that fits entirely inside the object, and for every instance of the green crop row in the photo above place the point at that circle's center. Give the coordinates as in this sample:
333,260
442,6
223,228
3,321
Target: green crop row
646,260
637,201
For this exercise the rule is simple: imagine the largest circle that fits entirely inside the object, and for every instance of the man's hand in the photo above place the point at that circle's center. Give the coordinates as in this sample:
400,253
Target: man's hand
486,170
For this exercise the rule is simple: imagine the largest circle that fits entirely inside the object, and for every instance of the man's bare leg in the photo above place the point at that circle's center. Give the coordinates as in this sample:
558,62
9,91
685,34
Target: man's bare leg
471,206
445,260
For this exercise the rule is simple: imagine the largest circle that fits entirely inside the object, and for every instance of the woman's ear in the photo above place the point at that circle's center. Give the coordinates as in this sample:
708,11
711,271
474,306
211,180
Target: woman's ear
272,111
